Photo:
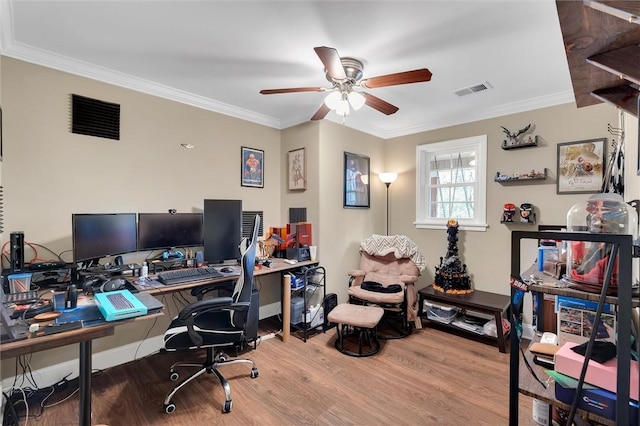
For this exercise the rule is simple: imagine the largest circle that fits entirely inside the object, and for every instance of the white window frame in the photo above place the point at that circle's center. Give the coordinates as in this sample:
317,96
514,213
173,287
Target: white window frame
423,164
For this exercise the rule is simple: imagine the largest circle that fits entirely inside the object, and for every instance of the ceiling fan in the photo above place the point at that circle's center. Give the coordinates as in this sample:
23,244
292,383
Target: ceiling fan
345,75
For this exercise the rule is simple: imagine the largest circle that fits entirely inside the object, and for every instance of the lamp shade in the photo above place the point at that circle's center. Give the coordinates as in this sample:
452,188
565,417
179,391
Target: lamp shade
388,177
356,100
332,100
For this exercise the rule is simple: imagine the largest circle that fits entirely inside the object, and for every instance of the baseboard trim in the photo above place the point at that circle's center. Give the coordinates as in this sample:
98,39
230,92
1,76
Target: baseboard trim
52,374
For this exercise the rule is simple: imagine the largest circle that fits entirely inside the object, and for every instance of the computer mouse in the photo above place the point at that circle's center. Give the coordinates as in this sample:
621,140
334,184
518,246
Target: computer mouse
226,269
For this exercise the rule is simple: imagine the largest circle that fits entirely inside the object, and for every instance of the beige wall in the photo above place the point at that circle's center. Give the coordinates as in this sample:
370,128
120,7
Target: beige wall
49,173
344,229
487,253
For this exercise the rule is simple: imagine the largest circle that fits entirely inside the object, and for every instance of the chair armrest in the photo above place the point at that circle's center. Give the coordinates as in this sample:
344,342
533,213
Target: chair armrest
356,273
408,279
240,306
206,305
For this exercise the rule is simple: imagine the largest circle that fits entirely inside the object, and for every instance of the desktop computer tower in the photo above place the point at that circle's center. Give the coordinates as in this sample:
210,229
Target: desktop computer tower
16,260
251,328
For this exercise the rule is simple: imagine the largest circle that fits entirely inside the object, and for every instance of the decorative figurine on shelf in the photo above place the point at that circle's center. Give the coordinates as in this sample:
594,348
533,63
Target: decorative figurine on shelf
451,276
527,213
508,211
512,138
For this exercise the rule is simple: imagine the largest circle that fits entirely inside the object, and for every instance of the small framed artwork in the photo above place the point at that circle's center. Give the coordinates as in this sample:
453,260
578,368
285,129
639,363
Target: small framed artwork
252,167
580,167
297,170
356,180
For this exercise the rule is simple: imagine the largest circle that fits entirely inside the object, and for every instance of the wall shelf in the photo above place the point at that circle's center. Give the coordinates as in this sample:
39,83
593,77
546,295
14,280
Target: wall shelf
528,143
525,177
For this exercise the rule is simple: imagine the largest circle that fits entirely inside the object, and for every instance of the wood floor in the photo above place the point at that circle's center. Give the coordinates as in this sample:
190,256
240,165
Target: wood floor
428,378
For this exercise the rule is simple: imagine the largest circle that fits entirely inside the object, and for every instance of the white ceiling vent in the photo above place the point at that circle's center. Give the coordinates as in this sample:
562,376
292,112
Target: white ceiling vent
473,89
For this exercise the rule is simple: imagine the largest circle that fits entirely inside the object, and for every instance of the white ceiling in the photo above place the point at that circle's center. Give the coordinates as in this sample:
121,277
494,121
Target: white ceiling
218,55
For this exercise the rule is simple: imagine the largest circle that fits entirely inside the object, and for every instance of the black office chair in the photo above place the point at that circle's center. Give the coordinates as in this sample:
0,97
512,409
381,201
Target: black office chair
214,324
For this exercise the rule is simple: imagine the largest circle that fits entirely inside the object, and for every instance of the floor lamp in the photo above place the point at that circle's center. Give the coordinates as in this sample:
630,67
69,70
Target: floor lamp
388,178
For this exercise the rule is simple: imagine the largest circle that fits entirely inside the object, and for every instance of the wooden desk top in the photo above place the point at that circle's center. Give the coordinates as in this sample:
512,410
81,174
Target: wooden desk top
36,344
277,265
41,343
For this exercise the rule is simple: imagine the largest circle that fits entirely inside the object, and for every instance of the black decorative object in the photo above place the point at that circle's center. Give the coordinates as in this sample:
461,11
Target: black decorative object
508,211
527,213
451,276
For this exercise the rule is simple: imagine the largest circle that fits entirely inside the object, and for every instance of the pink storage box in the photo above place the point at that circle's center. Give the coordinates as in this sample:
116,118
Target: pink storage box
602,375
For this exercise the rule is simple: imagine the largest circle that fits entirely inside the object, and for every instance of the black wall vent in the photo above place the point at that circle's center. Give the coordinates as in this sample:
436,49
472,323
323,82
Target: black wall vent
247,223
297,214
95,118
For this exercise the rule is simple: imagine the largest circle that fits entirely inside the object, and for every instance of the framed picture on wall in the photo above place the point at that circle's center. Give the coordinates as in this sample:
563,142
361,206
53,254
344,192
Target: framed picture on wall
356,180
297,169
580,167
252,167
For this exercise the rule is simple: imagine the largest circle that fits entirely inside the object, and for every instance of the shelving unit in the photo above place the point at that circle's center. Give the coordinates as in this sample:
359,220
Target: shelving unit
314,280
601,42
520,380
490,305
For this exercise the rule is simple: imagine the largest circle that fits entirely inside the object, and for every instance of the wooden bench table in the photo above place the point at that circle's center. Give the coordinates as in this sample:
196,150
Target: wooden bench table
483,302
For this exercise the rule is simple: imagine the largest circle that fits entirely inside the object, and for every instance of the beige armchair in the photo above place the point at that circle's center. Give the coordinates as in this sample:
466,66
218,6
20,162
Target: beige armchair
389,268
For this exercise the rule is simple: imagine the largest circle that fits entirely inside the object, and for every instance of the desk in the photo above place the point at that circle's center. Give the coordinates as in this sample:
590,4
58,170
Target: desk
277,266
83,336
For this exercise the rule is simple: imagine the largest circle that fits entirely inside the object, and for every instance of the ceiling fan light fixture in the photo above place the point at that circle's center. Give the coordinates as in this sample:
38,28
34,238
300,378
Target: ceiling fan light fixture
343,107
332,100
356,100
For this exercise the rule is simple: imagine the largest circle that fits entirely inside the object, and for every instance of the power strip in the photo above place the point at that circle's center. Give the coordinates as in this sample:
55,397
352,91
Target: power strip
270,335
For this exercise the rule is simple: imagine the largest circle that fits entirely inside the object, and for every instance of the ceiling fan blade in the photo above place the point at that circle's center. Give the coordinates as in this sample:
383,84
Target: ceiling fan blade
321,113
331,61
292,90
377,103
415,76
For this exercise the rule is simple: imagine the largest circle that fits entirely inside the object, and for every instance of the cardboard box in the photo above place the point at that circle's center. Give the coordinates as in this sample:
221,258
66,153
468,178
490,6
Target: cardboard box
575,320
603,375
593,399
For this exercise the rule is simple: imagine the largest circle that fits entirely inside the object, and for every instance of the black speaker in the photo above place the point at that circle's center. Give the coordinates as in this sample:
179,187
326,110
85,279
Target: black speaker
16,252
330,302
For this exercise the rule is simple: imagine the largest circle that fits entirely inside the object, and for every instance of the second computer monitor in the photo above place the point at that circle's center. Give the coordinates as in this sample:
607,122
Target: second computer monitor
159,231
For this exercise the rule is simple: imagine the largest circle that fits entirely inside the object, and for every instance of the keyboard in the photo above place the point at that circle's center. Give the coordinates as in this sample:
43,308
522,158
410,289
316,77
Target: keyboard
22,298
119,301
58,328
179,276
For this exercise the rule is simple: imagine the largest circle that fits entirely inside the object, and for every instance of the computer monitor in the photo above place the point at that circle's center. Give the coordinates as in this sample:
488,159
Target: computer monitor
97,235
222,230
157,231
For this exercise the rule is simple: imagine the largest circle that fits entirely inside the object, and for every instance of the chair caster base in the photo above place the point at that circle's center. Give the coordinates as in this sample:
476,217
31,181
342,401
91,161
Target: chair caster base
169,408
227,406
